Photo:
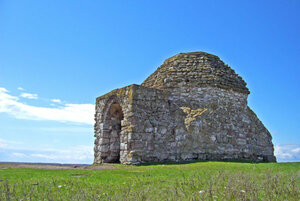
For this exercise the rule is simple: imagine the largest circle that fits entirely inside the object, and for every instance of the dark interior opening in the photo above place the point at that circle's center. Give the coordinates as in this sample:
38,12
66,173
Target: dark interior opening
114,118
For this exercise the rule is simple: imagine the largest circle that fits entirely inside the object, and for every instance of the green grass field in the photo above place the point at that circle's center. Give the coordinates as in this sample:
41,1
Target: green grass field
190,181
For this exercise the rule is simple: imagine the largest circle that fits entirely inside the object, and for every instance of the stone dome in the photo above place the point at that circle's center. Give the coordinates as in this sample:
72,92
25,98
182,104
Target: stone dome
195,69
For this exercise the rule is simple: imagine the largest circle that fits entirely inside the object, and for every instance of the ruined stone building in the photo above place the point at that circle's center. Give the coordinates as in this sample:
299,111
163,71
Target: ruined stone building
193,107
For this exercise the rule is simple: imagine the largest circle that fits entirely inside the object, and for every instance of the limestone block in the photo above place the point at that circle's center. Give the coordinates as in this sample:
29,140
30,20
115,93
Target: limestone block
149,129
103,141
241,141
104,148
213,138
123,146
163,130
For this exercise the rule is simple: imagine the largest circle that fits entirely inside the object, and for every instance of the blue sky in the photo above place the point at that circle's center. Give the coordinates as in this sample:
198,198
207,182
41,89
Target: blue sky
56,57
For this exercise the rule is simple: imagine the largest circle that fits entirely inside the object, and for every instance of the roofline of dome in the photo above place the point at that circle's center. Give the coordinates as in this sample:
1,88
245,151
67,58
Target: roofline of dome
191,53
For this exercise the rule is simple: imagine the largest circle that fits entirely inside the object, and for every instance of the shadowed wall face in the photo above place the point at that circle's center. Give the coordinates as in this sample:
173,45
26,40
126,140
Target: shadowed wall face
113,123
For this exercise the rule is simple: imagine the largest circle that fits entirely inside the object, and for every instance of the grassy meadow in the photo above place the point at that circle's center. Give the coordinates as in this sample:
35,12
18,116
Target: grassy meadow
188,181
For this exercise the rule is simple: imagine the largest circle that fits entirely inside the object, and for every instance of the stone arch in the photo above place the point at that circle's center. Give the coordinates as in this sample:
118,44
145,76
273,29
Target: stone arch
112,117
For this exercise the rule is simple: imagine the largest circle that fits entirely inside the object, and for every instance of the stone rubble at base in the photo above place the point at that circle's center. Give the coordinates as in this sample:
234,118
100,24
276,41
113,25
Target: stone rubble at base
193,107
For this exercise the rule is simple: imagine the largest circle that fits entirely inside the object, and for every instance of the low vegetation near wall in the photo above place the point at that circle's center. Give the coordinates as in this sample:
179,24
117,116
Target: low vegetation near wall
190,181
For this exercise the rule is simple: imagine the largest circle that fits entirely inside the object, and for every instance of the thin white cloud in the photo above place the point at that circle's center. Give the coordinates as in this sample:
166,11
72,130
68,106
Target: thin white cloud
287,152
69,129
3,90
2,144
76,154
70,154
21,89
29,95
56,100
19,155
7,144
77,113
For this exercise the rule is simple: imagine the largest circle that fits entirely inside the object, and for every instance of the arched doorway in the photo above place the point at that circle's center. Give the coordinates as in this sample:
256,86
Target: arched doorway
113,120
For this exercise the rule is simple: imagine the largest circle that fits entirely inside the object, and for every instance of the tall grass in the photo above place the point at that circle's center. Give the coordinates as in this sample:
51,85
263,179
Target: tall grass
200,181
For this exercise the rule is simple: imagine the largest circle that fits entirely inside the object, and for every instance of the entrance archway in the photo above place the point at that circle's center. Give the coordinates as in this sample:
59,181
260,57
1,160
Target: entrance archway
113,123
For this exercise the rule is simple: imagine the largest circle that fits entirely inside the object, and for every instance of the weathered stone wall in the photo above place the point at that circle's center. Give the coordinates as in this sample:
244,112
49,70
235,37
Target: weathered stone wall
226,127
198,69
204,123
105,133
151,140
194,107
185,124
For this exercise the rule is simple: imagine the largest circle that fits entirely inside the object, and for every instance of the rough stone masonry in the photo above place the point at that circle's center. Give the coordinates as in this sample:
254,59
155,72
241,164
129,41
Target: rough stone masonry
193,107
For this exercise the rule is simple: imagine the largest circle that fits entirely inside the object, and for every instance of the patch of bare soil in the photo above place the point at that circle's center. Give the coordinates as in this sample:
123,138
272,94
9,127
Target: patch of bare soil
56,166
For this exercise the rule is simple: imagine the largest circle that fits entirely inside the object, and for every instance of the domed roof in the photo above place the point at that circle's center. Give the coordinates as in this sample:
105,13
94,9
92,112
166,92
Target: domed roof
195,69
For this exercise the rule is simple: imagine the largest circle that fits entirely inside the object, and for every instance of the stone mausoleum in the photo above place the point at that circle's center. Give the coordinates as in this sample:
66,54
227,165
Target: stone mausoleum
193,107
